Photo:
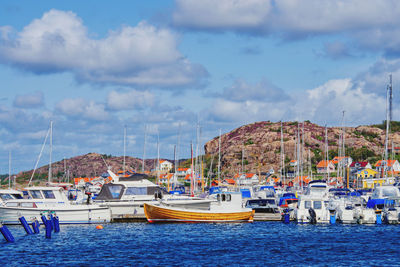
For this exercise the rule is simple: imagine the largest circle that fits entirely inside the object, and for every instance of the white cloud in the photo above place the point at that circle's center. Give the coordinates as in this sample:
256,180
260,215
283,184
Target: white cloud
130,100
33,100
246,111
222,14
373,24
308,16
323,104
79,107
263,90
140,55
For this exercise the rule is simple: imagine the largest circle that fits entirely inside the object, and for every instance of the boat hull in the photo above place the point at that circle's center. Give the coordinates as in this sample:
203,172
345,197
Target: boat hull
163,214
84,215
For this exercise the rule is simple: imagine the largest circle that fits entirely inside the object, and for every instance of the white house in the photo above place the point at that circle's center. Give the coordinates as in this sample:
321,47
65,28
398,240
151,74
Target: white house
249,179
325,166
165,165
390,166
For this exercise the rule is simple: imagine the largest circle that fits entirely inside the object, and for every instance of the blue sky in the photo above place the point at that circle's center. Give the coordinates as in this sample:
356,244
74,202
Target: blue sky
94,66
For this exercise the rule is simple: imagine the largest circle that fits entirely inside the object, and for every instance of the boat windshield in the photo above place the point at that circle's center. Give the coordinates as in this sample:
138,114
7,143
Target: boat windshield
17,196
317,205
382,192
48,194
6,196
307,204
115,190
36,194
136,191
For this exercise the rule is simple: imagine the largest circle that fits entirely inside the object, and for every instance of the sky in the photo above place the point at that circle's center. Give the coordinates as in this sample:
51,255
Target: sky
167,70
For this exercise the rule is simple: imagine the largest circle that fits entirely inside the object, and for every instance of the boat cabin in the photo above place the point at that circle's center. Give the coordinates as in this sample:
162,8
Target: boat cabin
127,190
9,194
40,195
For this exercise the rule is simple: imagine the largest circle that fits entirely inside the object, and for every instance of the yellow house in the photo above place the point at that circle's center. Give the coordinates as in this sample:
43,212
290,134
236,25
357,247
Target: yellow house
366,173
369,179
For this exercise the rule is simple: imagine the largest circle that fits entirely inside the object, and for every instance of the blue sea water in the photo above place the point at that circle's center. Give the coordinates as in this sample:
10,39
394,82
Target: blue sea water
241,244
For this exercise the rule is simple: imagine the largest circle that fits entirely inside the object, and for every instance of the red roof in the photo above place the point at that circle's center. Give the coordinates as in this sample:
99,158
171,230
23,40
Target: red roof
362,164
182,169
230,181
249,175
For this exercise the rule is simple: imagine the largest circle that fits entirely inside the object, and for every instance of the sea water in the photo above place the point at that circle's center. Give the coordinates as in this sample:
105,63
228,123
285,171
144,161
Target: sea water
224,244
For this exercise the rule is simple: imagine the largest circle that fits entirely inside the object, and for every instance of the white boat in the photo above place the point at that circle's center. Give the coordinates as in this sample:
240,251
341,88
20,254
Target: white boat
51,200
125,196
312,206
386,199
9,194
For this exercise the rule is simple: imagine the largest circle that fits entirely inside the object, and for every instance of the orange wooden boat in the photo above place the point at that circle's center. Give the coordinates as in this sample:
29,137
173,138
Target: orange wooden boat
160,213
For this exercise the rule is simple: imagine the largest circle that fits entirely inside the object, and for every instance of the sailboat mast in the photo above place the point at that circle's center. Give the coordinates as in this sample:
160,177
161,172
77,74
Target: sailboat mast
144,148
51,151
219,158
326,154
9,169
158,160
124,149
387,127
282,157
191,170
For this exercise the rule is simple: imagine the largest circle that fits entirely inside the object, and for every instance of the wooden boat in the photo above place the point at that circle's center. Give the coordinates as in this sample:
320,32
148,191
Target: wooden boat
224,209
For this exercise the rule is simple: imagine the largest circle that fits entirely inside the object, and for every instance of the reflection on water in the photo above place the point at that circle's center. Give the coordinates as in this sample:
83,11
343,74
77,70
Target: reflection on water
258,243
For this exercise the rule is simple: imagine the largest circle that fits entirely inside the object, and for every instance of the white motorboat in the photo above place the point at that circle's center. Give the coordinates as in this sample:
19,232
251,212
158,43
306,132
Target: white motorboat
125,196
312,206
51,200
9,194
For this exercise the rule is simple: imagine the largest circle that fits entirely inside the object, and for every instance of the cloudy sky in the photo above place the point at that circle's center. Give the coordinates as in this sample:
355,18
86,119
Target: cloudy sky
162,67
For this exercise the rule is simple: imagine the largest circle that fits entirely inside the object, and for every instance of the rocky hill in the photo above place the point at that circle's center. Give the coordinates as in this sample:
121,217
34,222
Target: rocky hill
88,165
261,144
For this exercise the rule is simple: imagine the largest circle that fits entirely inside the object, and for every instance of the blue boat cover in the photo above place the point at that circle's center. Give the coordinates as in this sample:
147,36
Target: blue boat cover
373,202
245,193
214,190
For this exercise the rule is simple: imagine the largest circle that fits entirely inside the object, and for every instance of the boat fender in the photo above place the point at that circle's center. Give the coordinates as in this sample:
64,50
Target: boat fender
51,220
48,228
378,218
25,224
6,234
332,218
313,216
35,226
56,222
44,219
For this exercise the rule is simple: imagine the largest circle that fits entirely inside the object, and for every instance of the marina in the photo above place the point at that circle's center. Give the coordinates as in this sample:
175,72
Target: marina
200,133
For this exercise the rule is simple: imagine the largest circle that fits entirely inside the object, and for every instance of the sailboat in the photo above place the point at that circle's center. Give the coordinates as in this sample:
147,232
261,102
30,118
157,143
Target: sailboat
47,200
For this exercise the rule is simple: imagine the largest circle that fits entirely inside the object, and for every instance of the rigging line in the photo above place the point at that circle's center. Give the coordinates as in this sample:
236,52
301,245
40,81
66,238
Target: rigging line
40,154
